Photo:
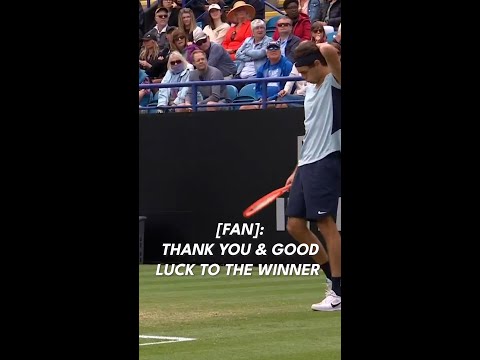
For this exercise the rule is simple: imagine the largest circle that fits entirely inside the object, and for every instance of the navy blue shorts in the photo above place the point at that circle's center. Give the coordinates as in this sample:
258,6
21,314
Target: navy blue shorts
316,188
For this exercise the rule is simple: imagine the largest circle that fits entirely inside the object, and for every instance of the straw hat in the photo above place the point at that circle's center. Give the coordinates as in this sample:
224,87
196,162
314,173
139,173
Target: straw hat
240,5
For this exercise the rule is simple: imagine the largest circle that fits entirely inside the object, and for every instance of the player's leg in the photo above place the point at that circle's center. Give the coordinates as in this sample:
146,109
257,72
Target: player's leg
297,225
321,181
333,299
300,232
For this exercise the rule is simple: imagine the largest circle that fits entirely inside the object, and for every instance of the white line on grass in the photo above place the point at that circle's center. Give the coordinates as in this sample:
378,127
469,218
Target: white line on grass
170,339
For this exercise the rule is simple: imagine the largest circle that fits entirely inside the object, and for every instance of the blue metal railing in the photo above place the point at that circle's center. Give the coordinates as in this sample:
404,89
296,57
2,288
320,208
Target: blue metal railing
194,84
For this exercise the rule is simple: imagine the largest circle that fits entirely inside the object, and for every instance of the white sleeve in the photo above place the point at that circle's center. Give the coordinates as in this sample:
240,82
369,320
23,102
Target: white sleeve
334,82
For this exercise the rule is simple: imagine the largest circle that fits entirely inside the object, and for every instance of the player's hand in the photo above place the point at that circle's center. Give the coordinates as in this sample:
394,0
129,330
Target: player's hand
290,179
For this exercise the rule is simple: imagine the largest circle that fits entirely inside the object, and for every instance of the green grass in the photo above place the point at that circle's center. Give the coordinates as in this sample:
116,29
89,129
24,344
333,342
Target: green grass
236,317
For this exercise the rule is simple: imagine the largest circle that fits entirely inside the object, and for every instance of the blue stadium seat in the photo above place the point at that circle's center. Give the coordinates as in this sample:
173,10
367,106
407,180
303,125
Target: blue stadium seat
270,33
272,22
247,90
330,36
240,100
232,92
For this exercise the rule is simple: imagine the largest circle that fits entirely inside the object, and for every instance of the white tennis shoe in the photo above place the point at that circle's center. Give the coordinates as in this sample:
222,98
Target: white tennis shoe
332,302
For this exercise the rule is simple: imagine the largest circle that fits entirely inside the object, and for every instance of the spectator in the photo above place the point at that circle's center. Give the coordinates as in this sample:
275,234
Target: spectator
178,72
173,11
159,67
197,7
253,52
149,52
159,30
318,33
217,56
337,42
217,24
300,22
288,41
277,65
331,14
169,35
211,94
141,23
258,5
311,8
241,14
299,94
204,17
145,96
180,44
187,23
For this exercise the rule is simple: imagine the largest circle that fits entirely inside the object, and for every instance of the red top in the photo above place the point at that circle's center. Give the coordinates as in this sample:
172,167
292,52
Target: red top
235,37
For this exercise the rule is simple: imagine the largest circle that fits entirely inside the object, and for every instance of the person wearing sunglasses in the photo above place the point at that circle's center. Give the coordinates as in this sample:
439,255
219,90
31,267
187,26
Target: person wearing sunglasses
300,22
288,41
173,11
178,72
276,66
179,43
241,15
217,56
160,28
318,33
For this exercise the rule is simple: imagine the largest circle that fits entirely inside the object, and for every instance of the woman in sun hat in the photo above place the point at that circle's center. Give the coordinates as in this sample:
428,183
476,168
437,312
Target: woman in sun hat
241,16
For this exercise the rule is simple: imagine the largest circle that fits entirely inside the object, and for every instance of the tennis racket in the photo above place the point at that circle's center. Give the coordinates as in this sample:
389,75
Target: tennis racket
264,201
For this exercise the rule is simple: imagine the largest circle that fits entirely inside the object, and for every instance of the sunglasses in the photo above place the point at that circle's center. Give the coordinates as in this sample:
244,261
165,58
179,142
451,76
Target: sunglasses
283,24
233,35
179,38
175,62
162,16
317,30
201,42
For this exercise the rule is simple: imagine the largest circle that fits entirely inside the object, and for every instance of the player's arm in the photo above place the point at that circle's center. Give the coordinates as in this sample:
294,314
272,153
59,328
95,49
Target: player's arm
333,60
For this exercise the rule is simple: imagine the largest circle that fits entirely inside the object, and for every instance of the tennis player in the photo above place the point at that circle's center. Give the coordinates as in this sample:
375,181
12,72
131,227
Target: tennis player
316,179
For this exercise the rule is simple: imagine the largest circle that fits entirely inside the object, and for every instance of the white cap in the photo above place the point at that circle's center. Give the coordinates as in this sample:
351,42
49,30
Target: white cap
214,6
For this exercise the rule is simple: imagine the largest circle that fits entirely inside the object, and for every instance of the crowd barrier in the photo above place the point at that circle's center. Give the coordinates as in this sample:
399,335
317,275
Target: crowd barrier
194,84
